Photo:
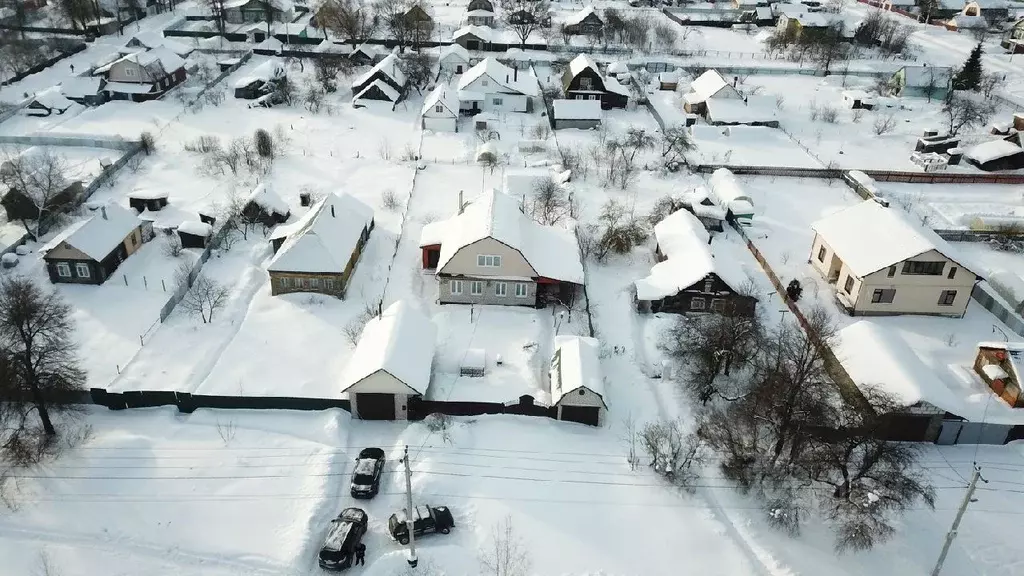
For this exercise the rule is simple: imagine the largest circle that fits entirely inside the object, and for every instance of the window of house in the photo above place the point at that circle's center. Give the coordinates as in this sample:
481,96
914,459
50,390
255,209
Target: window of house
135,242
300,283
455,287
718,305
439,108
947,297
923,268
63,270
484,82
891,272
500,289
496,101
284,282
486,261
522,290
952,272
883,296
329,284
696,304
129,71
708,284
314,283
849,284
82,270
458,69
476,287
821,254
586,83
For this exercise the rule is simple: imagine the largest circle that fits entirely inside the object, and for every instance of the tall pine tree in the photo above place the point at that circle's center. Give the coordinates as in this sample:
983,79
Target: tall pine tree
969,77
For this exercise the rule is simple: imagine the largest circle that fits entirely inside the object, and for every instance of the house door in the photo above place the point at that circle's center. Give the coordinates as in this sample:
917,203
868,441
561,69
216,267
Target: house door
373,406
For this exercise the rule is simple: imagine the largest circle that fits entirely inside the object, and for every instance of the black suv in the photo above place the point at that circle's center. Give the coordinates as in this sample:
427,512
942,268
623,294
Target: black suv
345,534
428,519
366,476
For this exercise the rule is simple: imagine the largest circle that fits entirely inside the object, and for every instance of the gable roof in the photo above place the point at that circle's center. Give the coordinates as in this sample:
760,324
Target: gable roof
683,240
389,67
400,342
325,238
992,150
268,200
579,367
582,15
265,72
52,99
159,58
869,237
550,251
707,85
582,62
454,51
98,235
81,86
153,39
442,95
381,85
727,192
482,32
503,75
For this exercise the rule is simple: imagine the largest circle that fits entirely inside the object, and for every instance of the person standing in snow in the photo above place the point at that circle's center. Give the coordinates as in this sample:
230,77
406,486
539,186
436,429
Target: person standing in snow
361,554
72,68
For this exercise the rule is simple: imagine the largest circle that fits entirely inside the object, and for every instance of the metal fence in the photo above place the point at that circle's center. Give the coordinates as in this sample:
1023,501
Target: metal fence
989,302
52,139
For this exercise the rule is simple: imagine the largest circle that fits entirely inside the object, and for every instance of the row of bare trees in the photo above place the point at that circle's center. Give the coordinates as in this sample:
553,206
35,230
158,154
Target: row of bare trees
787,433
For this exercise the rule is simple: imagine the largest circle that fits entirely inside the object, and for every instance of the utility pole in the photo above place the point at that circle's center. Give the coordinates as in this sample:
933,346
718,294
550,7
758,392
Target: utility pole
410,512
956,521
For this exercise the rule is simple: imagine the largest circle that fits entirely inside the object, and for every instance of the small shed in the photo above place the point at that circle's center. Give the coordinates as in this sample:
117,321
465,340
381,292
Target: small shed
391,363
577,382
266,207
474,363
152,200
996,155
858,99
729,195
86,90
581,114
441,110
194,234
668,80
937,144
48,102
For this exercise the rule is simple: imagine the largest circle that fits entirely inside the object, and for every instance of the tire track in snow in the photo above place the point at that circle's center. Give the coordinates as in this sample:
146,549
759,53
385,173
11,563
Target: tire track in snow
157,552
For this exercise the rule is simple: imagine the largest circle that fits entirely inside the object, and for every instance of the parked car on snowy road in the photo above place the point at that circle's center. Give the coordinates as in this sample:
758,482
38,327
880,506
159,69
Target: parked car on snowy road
366,476
428,519
345,533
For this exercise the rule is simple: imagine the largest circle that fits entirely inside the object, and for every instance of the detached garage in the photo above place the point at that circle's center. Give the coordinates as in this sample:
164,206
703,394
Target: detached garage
391,363
577,383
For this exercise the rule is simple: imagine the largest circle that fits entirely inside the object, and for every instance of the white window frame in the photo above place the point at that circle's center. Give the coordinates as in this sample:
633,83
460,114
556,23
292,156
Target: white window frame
314,283
329,284
488,261
497,102
80,267
439,108
455,287
698,304
476,288
285,282
522,290
500,289
63,270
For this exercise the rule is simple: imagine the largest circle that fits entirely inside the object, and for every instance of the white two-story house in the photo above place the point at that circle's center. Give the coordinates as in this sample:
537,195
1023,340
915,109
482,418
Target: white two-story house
881,264
492,253
490,86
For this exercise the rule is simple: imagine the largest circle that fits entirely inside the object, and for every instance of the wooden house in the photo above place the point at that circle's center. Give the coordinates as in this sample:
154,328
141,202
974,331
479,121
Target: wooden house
89,251
582,80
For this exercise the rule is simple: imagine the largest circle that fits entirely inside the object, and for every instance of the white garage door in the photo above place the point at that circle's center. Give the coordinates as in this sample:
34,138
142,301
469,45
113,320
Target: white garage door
439,124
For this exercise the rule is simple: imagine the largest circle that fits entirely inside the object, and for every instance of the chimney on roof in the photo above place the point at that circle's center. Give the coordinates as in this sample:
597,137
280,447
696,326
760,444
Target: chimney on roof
103,212
735,80
332,211
460,202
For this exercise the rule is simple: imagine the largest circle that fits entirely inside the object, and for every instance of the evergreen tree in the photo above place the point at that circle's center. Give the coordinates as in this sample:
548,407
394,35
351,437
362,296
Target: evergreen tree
969,77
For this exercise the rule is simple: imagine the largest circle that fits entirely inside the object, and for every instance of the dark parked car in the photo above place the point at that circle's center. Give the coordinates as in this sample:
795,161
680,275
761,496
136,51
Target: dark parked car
428,519
366,477
345,534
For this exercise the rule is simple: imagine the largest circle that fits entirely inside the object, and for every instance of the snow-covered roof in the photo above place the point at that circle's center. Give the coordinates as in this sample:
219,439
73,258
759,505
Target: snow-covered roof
98,235
581,63
149,194
992,150
700,201
864,180
52,99
161,56
683,240
153,39
444,96
726,190
370,50
81,86
705,86
503,75
612,84
381,85
869,237
875,356
127,88
484,33
809,19
268,200
579,367
269,70
963,21
550,251
580,16
618,68
985,4
329,47
577,109
920,76
270,44
750,110
195,228
389,67
454,52
327,237
479,13
400,342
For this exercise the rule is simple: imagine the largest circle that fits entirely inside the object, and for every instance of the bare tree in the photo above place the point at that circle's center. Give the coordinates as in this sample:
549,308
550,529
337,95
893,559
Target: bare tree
219,14
675,143
326,70
965,111
548,204
884,123
205,296
505,555
673,454
40,179
523,17
39,364
418,69
352,20
619,230
407,21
